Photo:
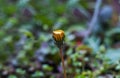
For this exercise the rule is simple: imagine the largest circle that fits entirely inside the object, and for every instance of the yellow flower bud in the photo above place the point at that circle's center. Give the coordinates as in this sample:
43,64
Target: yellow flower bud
58,35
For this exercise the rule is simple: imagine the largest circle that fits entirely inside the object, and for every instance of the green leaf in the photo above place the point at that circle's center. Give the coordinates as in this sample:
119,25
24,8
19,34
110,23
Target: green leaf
12,76
113,55
118,67
38,74
20,71
47,67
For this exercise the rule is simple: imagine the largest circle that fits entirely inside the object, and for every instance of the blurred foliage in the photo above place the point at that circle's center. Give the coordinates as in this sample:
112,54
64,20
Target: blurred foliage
28,51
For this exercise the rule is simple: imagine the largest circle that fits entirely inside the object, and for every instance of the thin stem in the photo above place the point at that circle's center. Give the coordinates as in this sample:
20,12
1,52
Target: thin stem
63,65
95,15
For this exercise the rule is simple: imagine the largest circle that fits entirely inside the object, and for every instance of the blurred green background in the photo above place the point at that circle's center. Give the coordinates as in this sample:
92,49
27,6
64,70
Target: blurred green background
92,42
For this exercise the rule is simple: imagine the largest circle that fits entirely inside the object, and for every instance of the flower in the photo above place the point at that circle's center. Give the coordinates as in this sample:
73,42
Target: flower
58,35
